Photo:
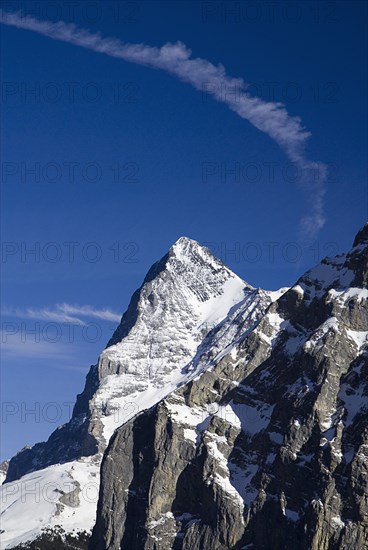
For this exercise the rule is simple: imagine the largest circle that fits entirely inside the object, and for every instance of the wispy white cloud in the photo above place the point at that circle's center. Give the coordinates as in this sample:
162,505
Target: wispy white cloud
18,340
63,313
42,314
17,346
269,117
20,347
89,311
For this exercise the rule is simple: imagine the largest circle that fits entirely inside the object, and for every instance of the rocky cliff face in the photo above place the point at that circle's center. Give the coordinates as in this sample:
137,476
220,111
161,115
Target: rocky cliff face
267,446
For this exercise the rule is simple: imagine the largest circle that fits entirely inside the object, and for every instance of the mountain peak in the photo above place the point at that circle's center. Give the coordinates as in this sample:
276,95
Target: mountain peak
183,297
361,236
185,241
185,248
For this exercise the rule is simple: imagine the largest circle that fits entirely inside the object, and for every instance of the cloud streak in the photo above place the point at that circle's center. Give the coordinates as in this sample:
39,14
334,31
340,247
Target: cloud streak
16,346
90,311
64,313
271,118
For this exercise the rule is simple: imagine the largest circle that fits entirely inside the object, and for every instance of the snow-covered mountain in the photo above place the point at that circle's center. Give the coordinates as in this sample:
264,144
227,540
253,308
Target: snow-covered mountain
228,417
189,309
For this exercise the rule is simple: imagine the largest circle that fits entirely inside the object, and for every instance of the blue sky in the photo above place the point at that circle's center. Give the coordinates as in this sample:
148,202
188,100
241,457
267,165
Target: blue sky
106,163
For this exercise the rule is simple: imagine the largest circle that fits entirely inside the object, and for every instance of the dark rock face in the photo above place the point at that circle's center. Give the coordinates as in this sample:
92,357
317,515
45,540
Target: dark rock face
268,448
